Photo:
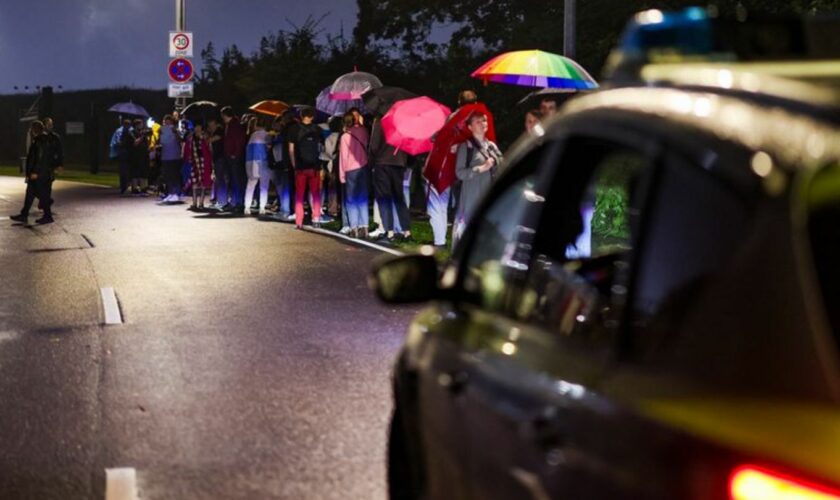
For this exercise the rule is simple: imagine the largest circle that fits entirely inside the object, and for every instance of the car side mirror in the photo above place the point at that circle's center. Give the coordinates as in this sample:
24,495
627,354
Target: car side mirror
405,280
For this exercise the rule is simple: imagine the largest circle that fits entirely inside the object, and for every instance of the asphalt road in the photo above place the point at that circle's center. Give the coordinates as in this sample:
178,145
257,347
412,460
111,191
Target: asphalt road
253,362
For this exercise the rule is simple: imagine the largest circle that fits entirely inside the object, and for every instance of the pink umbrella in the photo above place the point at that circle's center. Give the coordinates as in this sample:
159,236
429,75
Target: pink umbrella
410,124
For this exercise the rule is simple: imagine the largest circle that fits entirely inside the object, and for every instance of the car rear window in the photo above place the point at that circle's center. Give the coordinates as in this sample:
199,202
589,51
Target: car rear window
823,203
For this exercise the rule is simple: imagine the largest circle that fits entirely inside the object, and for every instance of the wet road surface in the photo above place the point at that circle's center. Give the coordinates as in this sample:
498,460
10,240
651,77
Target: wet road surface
252,363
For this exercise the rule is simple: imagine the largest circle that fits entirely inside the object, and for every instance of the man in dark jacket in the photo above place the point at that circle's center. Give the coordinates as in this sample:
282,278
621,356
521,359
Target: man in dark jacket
41,162
388,173
235,142
59,151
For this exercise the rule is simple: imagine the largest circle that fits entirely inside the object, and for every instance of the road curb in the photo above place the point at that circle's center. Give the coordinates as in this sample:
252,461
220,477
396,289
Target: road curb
355,241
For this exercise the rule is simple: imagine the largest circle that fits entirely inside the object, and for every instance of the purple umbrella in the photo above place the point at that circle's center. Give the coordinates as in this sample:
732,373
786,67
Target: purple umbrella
128,108
334,107
351,86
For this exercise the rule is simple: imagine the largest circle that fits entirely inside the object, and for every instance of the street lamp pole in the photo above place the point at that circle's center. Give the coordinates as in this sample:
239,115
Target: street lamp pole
569,27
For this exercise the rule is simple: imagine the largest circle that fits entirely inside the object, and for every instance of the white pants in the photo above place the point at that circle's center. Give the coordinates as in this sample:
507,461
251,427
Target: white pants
264,180
437,207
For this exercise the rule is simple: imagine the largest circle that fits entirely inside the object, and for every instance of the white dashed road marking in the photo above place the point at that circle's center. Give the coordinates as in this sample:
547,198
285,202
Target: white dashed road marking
6,336
113,316
121,484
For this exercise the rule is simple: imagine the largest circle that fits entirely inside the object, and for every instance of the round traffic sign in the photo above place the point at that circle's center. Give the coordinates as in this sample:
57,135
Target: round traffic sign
180,41
180,70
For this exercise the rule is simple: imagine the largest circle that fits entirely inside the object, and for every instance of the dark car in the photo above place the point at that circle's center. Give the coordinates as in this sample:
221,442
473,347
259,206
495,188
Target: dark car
646,306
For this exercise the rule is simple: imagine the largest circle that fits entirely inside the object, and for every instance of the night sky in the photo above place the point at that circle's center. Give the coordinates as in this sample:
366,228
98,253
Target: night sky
83,44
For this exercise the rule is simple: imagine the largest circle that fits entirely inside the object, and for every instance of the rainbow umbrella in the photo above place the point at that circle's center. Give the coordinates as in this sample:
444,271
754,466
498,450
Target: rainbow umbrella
535,68
410,124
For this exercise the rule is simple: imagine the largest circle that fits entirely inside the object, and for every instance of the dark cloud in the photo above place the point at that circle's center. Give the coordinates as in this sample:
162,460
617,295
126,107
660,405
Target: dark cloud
108,43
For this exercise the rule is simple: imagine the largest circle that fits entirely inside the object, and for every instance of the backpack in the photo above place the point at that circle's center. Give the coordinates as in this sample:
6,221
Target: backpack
309,147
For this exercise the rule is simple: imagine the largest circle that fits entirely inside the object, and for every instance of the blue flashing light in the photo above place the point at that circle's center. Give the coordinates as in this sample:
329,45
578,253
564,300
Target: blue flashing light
686,32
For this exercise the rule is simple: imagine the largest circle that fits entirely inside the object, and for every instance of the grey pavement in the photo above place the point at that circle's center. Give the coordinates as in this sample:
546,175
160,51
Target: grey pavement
253,362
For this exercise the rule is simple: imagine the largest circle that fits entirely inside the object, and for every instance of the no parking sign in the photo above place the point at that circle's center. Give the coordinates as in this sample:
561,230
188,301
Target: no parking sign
180,70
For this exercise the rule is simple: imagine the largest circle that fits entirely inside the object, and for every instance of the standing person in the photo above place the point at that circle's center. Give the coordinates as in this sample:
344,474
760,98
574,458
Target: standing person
216,138
170,156
256,165
41,163
353,173
305,153
332,183
199,154
532,119
477,161
389,166
279,167
125,148
235,142
548,107
139,161
55,141
439,170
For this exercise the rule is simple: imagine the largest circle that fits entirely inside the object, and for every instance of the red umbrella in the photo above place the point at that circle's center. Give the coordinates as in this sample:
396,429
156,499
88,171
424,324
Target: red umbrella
410,124
440,165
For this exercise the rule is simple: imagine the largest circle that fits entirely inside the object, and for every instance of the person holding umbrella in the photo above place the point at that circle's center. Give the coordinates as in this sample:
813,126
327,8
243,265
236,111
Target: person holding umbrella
439,170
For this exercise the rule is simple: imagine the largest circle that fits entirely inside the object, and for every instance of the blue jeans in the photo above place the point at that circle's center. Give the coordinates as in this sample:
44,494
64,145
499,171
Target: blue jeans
221,182
357,197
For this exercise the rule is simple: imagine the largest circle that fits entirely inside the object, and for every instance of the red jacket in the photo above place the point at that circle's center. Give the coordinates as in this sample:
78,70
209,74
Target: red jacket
440,164
235,139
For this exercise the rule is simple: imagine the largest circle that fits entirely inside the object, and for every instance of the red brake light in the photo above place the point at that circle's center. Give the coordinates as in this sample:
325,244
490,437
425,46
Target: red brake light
749,482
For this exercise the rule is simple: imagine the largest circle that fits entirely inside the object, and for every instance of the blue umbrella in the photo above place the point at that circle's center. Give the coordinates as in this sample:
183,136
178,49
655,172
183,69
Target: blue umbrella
128,108
333,107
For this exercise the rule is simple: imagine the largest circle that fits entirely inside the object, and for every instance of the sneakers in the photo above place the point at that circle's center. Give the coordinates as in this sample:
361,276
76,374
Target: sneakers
362,233
19,218
376,234
45,220
345,230
262,211
326,218
246,211
290,217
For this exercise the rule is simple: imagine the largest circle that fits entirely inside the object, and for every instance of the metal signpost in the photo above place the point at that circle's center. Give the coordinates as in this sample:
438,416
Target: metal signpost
180,69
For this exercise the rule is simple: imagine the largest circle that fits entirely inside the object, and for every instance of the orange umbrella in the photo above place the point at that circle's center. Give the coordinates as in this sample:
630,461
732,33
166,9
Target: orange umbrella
273,108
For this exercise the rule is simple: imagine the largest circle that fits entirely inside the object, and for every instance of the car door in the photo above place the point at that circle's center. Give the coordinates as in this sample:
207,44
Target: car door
439,359
535,359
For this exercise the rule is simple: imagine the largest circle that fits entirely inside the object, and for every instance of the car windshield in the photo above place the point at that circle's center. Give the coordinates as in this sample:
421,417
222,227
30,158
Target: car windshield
823,203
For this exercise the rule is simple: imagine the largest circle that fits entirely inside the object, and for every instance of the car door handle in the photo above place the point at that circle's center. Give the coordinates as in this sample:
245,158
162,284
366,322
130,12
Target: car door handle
454,382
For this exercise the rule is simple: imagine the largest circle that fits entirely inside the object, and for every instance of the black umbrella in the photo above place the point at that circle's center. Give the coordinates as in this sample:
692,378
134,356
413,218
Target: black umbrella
379,101
533,99
201,111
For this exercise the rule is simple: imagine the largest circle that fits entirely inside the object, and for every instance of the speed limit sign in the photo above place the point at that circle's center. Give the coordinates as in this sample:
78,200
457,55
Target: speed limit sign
180,44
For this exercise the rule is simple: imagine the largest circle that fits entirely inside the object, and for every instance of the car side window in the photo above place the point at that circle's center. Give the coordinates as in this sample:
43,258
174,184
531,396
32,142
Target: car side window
695,224
586,233
500,249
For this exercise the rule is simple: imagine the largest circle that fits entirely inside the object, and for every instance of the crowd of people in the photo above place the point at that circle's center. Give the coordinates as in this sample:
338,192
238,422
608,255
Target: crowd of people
342,169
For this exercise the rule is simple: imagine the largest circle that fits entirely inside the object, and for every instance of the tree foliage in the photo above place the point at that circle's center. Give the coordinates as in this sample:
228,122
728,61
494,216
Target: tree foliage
431,47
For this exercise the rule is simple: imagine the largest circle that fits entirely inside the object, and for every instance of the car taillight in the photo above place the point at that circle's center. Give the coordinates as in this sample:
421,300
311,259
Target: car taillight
749,482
